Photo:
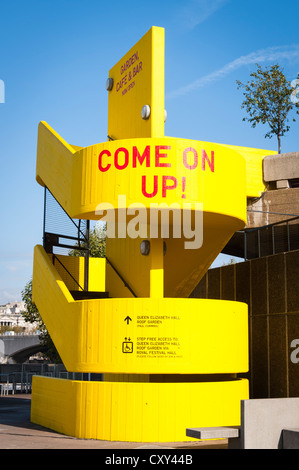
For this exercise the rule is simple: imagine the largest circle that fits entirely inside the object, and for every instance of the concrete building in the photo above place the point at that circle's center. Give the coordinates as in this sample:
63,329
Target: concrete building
267,281
281,200
11,316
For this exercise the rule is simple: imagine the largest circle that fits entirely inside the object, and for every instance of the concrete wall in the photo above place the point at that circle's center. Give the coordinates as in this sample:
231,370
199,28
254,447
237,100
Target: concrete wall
281,175
281,167
16,343
270,208
270,287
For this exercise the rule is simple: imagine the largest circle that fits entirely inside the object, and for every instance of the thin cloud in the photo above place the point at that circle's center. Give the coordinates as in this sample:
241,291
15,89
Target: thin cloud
9,295
271,54
196,12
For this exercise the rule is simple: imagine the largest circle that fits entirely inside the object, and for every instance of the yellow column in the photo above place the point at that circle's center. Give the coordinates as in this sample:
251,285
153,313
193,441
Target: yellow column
156,268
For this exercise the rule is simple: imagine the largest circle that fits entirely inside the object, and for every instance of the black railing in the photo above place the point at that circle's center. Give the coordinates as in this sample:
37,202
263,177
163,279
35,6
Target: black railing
55,258
64,235
267,240
121,278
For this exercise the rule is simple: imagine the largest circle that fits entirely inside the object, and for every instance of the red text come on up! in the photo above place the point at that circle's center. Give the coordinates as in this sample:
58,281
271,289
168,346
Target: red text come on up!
158,157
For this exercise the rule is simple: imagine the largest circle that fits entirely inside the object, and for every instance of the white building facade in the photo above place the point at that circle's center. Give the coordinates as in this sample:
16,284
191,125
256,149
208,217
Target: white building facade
11,316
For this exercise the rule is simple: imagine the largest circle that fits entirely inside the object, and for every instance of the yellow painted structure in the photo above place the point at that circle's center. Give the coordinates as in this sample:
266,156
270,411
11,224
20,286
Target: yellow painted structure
90,335
138,79
75,265
137,412
169,362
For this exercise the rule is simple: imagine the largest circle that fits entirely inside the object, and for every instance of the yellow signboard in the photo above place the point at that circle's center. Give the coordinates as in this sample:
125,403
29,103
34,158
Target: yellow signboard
136,90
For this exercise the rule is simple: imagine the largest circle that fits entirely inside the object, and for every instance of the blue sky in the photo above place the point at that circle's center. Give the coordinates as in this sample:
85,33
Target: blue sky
54,61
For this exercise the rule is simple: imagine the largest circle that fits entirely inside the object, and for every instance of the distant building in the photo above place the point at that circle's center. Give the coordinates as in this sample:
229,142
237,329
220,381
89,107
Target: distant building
11,316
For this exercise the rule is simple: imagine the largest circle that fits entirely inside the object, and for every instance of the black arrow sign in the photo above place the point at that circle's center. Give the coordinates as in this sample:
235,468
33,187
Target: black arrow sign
128,319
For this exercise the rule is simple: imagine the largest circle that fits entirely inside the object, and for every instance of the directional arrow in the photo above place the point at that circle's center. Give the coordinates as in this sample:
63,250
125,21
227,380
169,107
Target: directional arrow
128,319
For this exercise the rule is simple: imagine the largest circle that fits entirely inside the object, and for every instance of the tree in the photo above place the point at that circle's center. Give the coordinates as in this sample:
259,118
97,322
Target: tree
97,244
269,100
32,315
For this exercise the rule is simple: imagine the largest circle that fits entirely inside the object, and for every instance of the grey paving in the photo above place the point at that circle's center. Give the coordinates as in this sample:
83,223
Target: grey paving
17,432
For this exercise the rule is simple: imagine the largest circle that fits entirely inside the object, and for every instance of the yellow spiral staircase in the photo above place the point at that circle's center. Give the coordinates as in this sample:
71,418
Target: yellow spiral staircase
168,361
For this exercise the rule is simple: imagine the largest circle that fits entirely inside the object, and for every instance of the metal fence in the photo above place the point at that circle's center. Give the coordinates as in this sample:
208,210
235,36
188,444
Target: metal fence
63,235
267,240
272,239
19,379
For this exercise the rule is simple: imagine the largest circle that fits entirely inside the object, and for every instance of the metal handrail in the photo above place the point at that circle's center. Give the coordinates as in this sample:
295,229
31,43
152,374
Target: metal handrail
86,248
267,227
55,257
69,217
121,278
270,225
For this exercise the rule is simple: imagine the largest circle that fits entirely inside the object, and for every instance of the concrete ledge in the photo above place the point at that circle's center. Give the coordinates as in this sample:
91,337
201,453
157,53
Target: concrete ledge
213,433
290,438
284,166
263,420
266,423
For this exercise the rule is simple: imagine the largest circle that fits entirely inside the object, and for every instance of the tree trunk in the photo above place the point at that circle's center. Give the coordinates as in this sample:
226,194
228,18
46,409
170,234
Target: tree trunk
279,145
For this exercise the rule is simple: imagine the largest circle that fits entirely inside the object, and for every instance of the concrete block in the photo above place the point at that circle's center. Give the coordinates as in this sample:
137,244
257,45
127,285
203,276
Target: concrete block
213,432
228,282
263,420
293,366
290,438
214,283
200,291
259,286
243,283
278,370
281,167
282,184
259,367
276,283
292,273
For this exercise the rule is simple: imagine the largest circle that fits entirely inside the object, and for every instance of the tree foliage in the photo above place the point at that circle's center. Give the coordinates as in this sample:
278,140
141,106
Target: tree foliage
97,244
269,100
32,315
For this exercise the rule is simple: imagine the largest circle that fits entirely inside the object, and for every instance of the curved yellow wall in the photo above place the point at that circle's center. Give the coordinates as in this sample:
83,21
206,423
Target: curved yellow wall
212,175
135,412
156,338
199,172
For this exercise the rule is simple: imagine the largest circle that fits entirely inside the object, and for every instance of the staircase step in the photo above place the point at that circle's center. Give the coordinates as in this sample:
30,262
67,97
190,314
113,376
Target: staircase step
84,295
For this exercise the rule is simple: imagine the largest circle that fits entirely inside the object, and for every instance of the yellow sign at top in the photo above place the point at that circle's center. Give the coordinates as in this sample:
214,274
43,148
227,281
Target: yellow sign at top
136,90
